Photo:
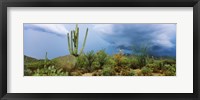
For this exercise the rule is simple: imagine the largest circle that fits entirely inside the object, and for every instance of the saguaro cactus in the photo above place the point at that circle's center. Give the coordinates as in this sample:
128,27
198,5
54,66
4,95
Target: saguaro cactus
73,41
45,60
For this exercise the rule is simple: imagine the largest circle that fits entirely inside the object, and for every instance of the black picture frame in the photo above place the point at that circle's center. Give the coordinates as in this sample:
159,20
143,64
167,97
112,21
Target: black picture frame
99,3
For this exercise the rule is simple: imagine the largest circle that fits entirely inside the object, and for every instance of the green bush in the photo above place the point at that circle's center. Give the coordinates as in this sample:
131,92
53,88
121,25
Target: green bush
108,70
141,55
92,61
34,65
170,70
38,64
96,65
28,72
98,73
81,61
154,67
124,72
90,58
132,73
159,63
121,60
150,60
49,71
118,59
101,57
146,71
142,60
125,61
133,63
169,62
111,62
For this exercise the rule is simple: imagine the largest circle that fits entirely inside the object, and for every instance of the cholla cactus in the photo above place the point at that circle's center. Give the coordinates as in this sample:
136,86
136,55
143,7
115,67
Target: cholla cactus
73,41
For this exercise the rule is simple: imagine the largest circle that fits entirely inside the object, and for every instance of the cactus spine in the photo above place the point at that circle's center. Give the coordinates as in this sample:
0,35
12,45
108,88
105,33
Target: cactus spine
73,41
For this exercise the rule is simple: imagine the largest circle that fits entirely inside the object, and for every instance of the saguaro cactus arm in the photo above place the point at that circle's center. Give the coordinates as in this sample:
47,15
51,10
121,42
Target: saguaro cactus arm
72,41
84,41
76,37
69,46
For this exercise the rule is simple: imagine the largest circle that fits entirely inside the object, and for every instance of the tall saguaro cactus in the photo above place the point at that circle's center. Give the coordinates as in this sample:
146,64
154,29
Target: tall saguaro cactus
73,41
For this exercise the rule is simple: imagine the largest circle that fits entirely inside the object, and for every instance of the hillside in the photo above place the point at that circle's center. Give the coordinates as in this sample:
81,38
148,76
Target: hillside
29,59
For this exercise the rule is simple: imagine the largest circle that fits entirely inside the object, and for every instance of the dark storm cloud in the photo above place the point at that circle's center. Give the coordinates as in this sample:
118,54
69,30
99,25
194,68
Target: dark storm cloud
159,38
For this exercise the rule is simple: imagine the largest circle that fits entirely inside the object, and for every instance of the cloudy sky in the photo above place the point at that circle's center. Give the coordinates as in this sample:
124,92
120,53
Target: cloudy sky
52,38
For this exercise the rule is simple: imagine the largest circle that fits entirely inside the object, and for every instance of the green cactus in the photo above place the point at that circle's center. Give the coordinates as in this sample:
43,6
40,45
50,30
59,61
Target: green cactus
73,41
45,60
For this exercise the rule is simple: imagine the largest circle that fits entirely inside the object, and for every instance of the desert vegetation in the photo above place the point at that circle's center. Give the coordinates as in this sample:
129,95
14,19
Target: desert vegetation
100,63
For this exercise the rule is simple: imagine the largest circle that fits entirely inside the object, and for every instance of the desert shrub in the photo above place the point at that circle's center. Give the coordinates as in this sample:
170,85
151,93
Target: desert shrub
111,62
121,60
154,67
38,64
150,60
98,73
87,61
34,65
96,65
150,65
81,62
146,71
49,63
124,72
138,72
170,70
141,55
28,72
41,68
159,63
118,59
141,59
133,63
101,57
90,58
49,71
108,70
132,73
125,61
169,62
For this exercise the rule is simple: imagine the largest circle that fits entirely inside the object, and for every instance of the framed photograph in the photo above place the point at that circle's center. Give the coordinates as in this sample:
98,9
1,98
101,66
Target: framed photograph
99,49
